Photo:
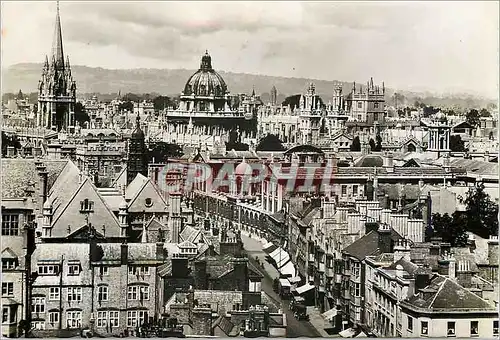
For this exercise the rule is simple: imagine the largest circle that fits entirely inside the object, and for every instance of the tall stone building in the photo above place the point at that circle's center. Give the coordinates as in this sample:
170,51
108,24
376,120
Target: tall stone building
137,162
366,105
56,88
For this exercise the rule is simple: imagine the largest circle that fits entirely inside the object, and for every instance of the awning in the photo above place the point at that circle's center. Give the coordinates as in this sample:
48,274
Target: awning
329,314
269,247
361,335
347,333
284,283
281,263
304,288
288,269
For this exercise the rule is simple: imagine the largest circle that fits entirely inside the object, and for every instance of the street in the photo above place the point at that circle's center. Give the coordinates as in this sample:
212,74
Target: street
295,328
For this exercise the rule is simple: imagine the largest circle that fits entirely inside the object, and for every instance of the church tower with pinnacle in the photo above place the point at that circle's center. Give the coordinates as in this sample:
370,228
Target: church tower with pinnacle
56,88
137,161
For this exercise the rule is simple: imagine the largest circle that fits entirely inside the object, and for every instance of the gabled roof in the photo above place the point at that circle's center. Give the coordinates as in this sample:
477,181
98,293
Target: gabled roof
8,253
70,216
187,244
140,189
463,125
83,234
412,163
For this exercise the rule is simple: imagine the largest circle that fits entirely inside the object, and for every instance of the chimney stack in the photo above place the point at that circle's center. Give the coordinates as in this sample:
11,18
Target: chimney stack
43,181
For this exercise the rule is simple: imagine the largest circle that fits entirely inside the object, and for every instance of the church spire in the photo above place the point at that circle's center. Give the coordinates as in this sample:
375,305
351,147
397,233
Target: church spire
57,44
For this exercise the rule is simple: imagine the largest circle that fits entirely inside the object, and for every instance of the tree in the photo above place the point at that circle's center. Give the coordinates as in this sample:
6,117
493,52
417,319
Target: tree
452,229
160,152
472,117
270,143
482,212
484,113
356,144
127,106
81,115
161,103
295,101
457,144
372,144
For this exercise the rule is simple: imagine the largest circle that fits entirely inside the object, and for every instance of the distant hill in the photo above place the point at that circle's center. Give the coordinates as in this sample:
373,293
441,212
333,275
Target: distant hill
169,82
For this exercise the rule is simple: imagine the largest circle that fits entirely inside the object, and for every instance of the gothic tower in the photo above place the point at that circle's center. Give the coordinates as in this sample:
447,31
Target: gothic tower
137,161
274,96
56,88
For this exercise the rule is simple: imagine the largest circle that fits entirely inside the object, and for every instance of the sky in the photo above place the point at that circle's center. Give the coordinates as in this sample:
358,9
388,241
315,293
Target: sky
437,46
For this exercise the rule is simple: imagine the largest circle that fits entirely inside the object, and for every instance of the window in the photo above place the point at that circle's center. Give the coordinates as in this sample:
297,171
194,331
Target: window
136,318
132,292
356,270
357,289
38,325
114,318
138,270
410,324
344,190
102,294
355,190
144,293
5,314
7,288
38,305
73,269
103,271
375,116
48,269
74,319
54,293
102,318
75,294
54,317
86,206
474,328
10,225
360,105
9,264
149,202
451,328
495,327
424,328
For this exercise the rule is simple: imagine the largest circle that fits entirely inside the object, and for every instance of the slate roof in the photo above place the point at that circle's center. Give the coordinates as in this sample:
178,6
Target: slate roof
19,174
449,295
370,161
368,245
475,166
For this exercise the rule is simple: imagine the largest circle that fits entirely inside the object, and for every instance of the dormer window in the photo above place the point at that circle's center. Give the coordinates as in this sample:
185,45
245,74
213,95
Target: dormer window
9,264
74,269
48,269
86,206
149,202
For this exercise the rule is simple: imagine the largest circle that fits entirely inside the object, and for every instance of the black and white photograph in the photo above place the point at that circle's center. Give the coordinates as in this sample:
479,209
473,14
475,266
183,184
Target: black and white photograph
217,169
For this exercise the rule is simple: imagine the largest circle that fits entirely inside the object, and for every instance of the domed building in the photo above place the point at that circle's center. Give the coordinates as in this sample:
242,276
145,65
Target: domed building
207,113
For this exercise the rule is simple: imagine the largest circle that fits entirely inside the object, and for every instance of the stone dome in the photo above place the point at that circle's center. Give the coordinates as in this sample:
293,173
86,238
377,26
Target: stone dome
205,82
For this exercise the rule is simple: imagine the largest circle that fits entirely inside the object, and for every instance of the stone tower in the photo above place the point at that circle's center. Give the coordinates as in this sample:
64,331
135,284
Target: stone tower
274,96
56,88
137,161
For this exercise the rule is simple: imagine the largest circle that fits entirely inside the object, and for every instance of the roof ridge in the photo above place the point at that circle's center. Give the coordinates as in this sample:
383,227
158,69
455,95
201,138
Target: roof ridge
438,291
